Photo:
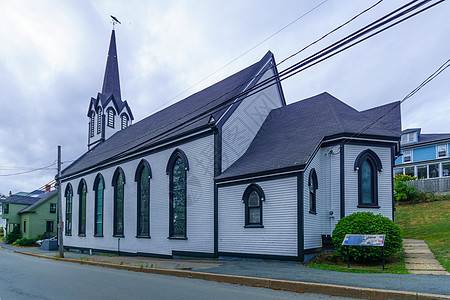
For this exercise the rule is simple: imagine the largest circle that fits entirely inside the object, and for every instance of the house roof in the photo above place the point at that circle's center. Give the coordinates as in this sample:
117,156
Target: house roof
388,115
41,199
187,115
291,133
17,199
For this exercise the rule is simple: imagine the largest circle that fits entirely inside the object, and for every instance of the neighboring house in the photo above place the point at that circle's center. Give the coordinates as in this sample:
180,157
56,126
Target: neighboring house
227,173
33,214
423,155
2,221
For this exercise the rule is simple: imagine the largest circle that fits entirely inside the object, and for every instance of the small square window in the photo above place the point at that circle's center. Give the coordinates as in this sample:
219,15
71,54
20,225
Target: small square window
49,226
442,150
52,208
406,156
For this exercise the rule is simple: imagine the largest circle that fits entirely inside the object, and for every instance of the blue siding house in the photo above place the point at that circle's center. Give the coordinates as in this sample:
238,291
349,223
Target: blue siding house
423,155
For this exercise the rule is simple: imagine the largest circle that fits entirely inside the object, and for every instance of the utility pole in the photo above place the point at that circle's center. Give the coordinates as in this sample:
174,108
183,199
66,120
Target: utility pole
60,224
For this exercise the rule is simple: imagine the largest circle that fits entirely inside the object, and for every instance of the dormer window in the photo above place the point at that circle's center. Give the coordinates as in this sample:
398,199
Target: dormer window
92,124
111,118
99,121
124,121
409,138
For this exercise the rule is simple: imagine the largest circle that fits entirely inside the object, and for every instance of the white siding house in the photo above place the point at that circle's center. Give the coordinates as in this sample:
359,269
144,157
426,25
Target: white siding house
228,171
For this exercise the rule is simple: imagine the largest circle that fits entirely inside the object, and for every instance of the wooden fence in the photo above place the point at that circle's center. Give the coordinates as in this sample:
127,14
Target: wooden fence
432,185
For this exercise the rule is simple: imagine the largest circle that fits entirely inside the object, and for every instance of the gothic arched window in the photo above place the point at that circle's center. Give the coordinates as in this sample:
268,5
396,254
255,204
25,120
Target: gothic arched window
176,168
118,219
92,124
82,190
69,198
252,198
99,186
111,114
142,177
368,164
313,186
99,121
124,121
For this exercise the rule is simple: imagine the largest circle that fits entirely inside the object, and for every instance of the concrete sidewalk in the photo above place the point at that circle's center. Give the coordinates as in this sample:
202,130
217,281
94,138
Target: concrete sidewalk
420,260
274,272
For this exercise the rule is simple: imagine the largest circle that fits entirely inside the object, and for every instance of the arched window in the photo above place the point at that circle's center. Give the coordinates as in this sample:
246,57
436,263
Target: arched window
99,186
118,184
313,186
124,121
111,114
252,198
82,190
99,121
176,168
368,164
142,177
92,124
69,197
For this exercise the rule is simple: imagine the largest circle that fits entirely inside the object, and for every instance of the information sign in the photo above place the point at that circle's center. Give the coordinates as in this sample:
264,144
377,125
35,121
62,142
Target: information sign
376,240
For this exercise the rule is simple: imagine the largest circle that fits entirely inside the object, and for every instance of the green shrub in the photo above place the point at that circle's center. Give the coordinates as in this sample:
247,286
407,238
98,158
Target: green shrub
367,223
14,235
403,191
25,242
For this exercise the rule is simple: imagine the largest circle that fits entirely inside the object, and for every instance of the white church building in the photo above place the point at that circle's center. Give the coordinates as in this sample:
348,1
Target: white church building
229,171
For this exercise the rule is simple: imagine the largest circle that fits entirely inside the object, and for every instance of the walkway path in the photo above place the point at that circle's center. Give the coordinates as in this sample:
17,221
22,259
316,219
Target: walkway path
420,260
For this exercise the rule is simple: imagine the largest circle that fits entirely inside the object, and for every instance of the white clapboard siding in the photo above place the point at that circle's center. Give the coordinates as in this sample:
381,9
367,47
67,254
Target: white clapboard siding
279,235
200,205
314,224
241,127
384,181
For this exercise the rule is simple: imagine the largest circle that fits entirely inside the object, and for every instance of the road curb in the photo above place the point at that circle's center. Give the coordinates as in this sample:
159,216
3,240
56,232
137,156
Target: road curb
275,284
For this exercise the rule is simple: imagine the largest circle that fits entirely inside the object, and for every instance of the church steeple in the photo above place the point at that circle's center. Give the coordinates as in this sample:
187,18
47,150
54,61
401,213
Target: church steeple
107,112
111,83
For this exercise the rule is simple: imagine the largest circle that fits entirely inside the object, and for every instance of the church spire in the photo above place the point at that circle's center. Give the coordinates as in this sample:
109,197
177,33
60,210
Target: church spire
111,83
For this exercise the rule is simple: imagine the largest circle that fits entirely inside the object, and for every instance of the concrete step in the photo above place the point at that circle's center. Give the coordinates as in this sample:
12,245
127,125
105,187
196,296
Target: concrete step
418,251
418,260
435,266
424,272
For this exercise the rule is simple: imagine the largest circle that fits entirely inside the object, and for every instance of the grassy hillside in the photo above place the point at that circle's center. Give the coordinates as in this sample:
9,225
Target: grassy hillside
430,222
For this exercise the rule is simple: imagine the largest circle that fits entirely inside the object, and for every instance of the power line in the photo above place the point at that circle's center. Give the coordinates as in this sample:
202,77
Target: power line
310,61
29,171
252,48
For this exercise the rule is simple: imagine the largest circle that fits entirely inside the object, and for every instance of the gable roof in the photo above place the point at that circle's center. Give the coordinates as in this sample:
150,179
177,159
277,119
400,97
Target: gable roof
188,115
41,199
17,199
291,133
388,115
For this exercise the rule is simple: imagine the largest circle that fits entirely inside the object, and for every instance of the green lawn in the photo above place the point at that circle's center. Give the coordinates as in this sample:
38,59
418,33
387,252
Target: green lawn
429,222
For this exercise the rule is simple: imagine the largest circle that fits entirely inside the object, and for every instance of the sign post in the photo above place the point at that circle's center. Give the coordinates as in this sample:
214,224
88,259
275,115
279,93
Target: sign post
364,240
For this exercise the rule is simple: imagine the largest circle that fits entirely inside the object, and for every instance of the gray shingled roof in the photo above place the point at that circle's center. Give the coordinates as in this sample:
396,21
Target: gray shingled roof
426,138
291,133
42,198
16,199
165,124
389,115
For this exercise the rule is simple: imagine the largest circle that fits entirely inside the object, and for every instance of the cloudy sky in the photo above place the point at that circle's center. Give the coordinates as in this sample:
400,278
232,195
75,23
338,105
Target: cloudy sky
53,55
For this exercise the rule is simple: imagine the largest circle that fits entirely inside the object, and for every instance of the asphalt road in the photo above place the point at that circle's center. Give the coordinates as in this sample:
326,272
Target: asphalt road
25,277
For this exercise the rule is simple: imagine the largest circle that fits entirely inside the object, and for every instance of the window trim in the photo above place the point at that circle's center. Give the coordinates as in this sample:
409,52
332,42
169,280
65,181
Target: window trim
312,181
137,178
118,172
124,118
80,195
177,154
445,150
245,197
68,225
97,180
410,155
111,115
52,211
374,160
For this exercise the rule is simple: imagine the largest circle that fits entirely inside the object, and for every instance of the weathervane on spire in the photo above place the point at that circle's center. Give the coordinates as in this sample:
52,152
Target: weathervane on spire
114,21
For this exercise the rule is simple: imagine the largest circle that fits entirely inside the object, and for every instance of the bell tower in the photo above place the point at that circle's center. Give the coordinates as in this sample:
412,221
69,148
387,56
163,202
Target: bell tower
107,112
